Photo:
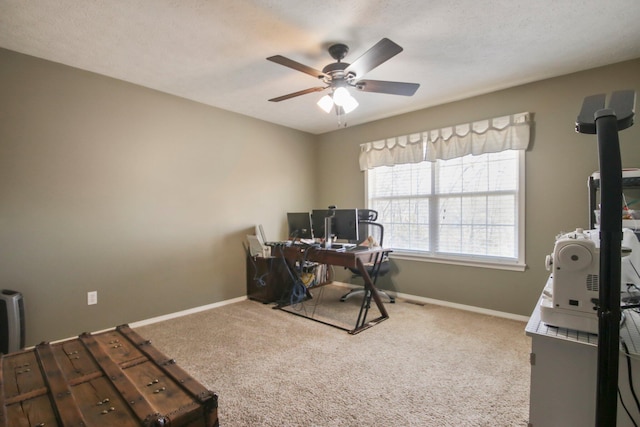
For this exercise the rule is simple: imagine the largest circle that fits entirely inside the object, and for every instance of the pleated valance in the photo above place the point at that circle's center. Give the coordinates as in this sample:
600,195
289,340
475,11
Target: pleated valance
485,136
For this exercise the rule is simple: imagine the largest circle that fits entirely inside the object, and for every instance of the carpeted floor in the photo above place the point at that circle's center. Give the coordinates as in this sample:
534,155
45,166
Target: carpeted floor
425,366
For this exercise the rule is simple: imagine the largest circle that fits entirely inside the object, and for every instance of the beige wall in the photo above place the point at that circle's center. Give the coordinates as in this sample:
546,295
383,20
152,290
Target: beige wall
558,163
144,197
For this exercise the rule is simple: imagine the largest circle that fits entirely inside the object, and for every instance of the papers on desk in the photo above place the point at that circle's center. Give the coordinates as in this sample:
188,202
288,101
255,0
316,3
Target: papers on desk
257,248
260,234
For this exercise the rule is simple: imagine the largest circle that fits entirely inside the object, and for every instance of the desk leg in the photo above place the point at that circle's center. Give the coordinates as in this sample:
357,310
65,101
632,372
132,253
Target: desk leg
370,291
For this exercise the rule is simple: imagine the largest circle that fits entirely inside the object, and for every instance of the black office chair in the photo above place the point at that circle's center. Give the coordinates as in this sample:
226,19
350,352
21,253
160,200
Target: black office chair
374,231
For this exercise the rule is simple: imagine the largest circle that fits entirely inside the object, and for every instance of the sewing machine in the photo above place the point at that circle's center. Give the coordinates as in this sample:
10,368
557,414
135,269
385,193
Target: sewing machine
570,297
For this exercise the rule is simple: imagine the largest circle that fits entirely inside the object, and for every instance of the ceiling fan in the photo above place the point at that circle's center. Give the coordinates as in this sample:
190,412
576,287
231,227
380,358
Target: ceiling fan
338,76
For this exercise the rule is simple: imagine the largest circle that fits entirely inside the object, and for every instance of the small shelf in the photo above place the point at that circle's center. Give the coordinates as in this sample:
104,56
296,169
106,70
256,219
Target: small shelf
630,179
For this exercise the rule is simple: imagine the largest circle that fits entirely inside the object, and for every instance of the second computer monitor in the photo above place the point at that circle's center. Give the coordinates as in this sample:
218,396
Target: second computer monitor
299,225
344,223
317,219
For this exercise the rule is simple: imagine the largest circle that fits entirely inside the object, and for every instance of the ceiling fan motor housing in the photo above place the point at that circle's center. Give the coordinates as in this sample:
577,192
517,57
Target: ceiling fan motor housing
335,72
338,51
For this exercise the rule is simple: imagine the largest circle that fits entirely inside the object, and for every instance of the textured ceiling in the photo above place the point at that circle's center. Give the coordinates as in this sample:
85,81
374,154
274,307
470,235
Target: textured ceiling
215,52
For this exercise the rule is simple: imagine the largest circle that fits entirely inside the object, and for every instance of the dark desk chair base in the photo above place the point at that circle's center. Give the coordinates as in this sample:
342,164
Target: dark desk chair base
380,265
361,291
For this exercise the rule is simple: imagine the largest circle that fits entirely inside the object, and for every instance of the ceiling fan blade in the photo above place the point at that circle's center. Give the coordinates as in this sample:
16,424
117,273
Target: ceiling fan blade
382,51
294,94
279,59
393,88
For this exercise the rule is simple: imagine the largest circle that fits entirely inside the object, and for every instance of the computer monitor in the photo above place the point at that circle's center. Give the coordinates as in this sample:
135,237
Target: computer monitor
317,219
299,225
344,223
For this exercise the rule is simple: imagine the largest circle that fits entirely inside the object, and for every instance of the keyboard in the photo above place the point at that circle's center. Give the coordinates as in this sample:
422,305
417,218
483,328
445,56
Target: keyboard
282,243
343,245
359,248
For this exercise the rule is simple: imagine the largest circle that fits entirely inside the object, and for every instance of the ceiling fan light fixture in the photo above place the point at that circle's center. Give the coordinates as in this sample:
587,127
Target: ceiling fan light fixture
341,96
326,103
349,104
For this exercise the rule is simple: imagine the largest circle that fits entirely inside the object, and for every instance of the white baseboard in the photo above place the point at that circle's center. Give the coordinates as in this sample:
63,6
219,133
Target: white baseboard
424,300
162,318
407,297
472,308
185,312
346,285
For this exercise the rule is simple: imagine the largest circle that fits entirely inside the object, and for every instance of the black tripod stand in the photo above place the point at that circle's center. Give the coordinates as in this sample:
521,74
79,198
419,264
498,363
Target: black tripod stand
594,118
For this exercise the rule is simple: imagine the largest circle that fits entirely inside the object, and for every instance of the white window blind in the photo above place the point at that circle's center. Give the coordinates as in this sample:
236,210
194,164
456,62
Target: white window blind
467,209
485,136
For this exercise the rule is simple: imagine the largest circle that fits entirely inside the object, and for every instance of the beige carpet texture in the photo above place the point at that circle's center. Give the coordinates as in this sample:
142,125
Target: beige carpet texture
426,365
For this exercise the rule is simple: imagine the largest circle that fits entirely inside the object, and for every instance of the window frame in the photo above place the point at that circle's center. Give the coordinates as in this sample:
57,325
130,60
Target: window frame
518,264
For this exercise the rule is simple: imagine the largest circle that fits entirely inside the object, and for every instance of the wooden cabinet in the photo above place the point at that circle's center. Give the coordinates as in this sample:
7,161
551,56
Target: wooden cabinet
268,280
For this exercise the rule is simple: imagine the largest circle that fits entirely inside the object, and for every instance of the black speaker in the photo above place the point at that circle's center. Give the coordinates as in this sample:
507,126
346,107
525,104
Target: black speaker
12,332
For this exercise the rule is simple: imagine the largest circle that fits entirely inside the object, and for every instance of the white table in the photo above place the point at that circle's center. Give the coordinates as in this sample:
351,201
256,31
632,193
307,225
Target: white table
564,374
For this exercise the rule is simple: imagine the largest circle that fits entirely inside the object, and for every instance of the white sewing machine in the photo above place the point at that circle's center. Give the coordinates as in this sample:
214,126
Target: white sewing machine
569,299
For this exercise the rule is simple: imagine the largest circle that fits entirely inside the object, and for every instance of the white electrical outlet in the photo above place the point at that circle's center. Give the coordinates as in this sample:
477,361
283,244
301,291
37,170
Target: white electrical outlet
92,297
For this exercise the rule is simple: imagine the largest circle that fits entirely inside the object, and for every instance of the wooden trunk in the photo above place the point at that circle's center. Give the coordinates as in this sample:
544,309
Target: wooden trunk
113,378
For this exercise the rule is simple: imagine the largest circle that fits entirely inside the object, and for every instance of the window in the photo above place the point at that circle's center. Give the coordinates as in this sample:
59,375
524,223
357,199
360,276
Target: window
467,209
454,194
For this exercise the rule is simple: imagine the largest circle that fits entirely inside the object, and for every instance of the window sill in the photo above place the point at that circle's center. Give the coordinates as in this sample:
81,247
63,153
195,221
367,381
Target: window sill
493,264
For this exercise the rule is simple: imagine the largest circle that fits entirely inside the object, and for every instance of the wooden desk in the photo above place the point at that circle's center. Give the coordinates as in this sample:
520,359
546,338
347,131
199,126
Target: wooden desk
355,259
267,280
